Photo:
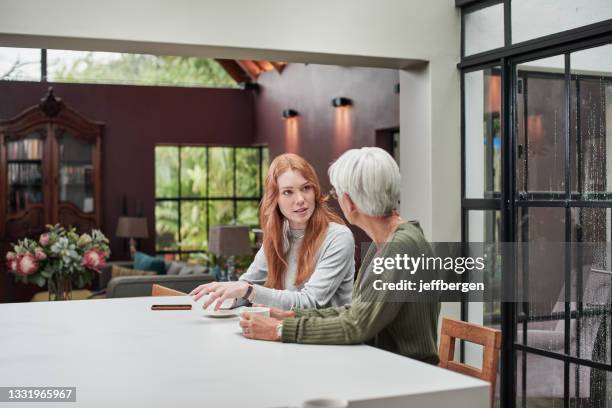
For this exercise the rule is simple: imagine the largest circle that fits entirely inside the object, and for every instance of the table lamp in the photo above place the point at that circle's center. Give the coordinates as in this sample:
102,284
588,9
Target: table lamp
229,241
132,228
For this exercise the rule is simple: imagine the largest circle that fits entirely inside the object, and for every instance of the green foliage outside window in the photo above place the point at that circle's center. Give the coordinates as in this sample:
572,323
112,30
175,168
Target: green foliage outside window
195,189
140,69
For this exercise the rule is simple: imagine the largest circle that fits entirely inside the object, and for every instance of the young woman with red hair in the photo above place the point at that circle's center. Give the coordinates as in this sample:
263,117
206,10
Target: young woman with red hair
307,257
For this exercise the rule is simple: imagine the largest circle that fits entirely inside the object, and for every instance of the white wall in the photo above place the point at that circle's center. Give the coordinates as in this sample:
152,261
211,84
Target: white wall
421,35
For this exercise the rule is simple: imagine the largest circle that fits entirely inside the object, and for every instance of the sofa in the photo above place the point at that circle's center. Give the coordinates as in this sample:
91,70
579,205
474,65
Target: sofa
135,286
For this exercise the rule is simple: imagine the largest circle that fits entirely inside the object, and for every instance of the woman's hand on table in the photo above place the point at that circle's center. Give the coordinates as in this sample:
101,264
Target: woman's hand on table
258,327
219,291
277,313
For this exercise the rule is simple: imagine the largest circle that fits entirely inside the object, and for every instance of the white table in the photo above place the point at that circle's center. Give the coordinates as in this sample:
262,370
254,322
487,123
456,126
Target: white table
118,352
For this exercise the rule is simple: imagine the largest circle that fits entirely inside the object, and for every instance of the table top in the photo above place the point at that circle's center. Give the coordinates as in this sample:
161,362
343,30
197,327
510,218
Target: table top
119,352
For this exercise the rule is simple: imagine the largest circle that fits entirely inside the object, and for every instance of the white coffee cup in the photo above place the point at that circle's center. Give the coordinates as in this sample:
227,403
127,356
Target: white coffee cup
257,310
325,403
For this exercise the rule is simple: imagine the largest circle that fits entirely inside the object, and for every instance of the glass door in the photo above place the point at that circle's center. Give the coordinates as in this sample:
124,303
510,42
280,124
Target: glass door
562,126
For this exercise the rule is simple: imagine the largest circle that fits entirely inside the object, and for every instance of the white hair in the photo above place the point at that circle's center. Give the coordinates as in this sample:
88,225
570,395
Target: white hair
370,176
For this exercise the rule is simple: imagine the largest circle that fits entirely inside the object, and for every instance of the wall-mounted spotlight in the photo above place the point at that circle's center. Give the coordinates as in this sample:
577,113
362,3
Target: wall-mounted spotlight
289,113
341,101
249,86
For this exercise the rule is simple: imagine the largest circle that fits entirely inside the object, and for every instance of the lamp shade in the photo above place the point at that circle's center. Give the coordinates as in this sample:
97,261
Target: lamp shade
229,240
132,227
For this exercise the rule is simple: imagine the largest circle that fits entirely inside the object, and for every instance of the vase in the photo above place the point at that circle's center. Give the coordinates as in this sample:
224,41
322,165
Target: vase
60,288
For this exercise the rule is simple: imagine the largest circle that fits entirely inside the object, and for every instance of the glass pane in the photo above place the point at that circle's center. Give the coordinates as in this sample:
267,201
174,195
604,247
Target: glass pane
248,213
220,212
482,133
592,120
194,232
484,29
136,69
541,277
265,165
540,107
591,283
76,172
19,64
166,171
247,172
561,15
485,226
24,171
166,226
539,381
193,172
221,168
590,387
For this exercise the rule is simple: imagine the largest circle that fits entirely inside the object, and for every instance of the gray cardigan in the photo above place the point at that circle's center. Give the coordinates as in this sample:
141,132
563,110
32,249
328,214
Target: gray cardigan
331,283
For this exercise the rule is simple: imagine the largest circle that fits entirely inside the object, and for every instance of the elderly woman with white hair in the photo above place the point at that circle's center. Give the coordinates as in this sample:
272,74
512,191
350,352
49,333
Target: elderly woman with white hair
367,184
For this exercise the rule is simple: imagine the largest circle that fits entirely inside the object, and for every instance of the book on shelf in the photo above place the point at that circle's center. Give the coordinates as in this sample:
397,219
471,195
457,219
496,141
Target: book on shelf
25,149
24,173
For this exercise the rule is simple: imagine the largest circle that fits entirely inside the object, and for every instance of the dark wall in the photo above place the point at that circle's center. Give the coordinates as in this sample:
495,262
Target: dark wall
321,133
136,118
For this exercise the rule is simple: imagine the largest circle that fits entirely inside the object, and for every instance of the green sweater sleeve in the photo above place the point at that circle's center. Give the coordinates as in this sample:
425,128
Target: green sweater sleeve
355,324
327,312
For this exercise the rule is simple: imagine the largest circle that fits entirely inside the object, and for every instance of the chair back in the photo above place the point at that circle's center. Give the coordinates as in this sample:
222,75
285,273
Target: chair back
159,290
489,338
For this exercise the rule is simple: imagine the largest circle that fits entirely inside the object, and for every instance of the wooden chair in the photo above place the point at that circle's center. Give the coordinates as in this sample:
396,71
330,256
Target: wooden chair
489,338
159,290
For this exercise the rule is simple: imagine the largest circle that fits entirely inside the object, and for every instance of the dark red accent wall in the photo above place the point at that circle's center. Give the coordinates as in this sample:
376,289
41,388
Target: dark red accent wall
323,133
137,118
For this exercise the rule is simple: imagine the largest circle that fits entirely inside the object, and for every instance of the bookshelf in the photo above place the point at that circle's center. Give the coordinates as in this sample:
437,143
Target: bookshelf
50,167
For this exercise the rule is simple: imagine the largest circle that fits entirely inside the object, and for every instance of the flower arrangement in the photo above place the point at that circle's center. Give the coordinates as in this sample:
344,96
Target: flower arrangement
59,255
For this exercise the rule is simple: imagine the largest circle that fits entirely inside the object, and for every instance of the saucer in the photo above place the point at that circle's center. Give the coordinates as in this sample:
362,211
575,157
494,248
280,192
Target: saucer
221,313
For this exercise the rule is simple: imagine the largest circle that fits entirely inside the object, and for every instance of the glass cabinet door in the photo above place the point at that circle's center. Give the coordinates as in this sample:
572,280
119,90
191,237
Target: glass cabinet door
25,171
75,183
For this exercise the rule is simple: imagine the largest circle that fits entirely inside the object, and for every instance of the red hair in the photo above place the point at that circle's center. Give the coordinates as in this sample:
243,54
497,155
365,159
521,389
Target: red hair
272,219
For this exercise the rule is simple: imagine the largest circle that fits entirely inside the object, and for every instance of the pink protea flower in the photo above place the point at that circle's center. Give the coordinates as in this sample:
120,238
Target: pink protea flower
44,239
27,264
12,265
40,254
93,259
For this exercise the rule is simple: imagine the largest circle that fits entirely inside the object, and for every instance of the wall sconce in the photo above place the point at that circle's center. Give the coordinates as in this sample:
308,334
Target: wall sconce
289,113
341,101
249,86
396,88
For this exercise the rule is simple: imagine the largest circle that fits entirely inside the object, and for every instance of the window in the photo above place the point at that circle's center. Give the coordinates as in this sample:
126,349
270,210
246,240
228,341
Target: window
35,64
482,29
197,187
19,64
528,22
135,69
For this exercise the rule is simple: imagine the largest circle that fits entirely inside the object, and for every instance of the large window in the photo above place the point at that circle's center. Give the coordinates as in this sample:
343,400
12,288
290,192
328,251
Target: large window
33,64
197,187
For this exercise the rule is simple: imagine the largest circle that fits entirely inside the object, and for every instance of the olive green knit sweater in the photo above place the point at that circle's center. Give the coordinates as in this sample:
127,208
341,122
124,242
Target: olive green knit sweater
405,328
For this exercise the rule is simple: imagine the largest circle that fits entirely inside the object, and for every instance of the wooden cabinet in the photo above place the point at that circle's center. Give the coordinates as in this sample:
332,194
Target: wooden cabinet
50,171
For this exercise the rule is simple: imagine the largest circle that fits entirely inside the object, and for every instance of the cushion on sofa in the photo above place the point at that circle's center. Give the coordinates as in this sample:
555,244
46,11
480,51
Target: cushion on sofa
192,270
175,267
146,262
